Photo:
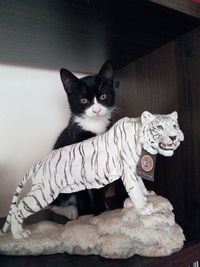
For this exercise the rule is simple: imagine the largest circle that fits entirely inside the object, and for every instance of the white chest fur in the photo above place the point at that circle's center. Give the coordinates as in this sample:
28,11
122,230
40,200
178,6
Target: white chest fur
95,125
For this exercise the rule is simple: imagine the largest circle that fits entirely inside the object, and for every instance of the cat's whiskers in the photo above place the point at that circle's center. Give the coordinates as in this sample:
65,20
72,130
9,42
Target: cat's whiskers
115,109
115,112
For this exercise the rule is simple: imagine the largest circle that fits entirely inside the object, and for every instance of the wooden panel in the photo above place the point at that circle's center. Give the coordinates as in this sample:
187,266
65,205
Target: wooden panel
166,80
148,83
81,35
185,6
188,66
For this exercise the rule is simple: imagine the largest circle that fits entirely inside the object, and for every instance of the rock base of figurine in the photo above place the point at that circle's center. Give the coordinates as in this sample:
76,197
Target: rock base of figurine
116,234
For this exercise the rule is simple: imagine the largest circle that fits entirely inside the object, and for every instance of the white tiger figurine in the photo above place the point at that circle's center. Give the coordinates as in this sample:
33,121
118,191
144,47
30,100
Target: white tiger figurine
96,162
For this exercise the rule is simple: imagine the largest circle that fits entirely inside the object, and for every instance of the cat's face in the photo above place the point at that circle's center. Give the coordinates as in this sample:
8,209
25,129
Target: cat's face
91,96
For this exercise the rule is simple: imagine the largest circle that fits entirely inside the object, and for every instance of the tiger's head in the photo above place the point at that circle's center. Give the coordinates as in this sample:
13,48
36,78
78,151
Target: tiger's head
160,133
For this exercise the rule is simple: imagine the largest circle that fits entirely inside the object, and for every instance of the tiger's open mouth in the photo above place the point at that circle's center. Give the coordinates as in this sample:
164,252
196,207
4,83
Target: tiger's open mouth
166,146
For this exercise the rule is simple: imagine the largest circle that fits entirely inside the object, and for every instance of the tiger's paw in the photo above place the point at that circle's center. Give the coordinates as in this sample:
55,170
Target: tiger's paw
142,207
147,209
137,203
150,193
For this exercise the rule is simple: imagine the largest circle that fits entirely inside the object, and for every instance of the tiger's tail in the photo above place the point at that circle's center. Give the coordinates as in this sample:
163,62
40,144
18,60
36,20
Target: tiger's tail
15,201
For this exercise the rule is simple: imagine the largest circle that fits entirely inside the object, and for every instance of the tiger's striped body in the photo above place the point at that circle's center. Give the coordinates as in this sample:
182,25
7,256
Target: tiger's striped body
89,164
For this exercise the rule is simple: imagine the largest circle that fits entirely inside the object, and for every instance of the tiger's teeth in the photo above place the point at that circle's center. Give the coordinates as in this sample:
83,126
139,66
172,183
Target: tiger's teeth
166,146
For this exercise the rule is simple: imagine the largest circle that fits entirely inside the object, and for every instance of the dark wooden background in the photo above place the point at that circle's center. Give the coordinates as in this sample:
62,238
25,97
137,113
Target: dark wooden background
81,34
168,79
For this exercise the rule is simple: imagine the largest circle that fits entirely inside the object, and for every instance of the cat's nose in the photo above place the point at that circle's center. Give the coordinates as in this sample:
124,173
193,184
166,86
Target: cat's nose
173,138
96,110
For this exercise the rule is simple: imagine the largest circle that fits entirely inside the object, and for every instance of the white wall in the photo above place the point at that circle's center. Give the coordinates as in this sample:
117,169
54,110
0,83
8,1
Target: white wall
33,111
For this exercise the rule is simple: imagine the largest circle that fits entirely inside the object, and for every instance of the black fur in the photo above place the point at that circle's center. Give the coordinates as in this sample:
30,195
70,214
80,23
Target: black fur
93,201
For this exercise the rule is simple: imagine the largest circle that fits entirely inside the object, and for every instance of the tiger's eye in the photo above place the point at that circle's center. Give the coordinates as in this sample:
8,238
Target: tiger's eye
160,127
103,97
83,101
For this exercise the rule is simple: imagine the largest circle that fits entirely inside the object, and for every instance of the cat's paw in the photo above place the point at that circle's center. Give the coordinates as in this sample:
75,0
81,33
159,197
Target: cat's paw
71,212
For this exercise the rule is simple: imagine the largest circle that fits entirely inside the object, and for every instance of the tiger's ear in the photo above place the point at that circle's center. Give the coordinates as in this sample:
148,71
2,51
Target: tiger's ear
69,80
146,116
174,115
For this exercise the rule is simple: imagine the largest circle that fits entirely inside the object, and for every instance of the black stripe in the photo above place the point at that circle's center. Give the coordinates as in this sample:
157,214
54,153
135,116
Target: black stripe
49,164
22,216
96,165
38,202
40,165
108,158
65,173
55,171
70,159
92,158
27,208
130,150
82,162
130,189
113,162
45,167
124,131
52,193
17,219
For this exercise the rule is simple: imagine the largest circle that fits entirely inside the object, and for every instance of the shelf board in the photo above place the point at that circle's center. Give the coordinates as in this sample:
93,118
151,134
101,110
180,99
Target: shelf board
82,35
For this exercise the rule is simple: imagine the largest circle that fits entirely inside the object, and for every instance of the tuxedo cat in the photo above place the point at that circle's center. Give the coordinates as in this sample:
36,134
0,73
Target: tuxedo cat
91,101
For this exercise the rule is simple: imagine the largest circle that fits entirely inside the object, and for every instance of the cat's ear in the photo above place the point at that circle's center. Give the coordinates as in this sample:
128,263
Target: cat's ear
106,73
69,80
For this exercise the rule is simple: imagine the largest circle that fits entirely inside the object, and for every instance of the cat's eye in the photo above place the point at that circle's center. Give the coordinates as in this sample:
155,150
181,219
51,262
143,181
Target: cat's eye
160,127
103,97
175,126
83,101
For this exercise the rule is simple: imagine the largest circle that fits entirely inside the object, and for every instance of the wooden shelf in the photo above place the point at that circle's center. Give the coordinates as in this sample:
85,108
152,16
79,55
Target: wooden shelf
54,34
189,7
